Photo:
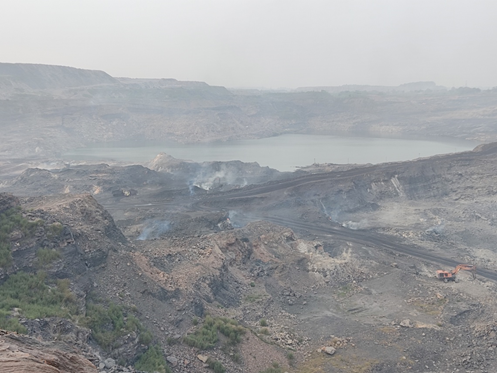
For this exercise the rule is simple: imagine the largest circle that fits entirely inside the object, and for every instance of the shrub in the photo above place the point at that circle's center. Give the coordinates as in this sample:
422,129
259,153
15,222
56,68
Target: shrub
110,323
274,369
263,322
34,299
146,337
202,339
236,357
152,361
216,366
46,256
291,358
8,322
11,220
172,341
5,256
264,331
207,336
230,329
54,230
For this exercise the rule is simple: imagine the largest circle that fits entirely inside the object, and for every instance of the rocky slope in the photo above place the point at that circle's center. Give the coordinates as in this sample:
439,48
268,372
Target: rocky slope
51,249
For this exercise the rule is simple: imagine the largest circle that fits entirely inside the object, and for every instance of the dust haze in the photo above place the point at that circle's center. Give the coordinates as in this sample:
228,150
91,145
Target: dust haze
134,238
267,44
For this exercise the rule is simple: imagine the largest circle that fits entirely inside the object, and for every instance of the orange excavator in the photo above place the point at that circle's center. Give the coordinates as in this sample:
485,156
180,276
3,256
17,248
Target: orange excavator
447,276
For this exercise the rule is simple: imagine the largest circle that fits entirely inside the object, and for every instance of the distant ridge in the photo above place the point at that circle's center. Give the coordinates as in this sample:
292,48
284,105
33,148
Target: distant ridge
407,87
163,83
37,76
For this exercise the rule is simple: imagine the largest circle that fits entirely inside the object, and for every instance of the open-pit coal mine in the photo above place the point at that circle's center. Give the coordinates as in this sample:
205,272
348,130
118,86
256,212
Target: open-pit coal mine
172,265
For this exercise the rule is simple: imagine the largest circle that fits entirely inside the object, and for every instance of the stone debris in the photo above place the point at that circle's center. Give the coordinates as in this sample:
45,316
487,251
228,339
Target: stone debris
328,350
338,342
406,323
172,360
109,363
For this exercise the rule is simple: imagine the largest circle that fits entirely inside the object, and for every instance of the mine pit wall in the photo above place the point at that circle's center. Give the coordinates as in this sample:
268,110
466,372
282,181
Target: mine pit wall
87,234
466,176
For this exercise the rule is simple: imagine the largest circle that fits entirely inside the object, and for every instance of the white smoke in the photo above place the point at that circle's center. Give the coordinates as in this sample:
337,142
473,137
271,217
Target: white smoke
154,229
362,224
234,217
436,229
207,182
190,188
208,178
333,215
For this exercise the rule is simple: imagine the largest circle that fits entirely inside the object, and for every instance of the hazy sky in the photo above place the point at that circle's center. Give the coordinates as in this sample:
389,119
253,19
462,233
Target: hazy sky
260,43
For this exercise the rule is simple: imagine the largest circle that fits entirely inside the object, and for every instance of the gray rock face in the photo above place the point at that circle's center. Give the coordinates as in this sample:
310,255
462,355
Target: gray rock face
55,328
24,354
127,347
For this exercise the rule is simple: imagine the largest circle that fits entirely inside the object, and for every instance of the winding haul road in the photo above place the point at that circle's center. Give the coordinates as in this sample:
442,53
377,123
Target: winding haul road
372,239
